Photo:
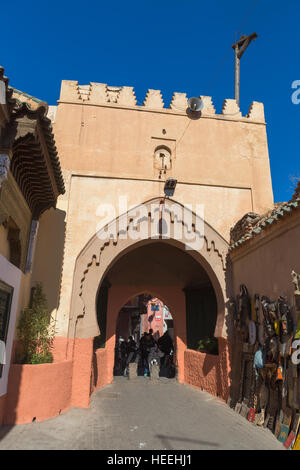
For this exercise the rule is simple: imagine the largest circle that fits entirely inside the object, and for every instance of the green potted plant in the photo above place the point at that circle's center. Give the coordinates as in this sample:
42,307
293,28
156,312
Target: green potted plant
35,331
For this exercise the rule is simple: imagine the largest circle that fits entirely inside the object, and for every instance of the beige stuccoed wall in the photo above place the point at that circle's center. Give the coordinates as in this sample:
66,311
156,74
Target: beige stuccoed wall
118,142
107,150
265,264
25,294
87,194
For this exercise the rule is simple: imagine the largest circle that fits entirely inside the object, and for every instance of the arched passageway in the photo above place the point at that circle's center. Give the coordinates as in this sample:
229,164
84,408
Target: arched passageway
173,276
110,272
144,337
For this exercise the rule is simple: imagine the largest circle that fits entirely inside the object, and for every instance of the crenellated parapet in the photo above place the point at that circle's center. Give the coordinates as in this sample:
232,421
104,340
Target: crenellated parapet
126,96
256,112
231,108
208,107
97,93
179,102
103,94
153,99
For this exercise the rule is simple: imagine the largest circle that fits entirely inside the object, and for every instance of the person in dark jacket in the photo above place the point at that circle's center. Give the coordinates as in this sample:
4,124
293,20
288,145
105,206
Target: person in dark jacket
146,344
131,350
165,345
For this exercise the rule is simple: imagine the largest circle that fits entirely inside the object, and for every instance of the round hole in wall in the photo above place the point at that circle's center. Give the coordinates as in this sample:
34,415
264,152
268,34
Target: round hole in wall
164,131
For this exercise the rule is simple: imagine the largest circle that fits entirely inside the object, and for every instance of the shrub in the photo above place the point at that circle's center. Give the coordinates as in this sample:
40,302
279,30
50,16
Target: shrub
35,331
208,345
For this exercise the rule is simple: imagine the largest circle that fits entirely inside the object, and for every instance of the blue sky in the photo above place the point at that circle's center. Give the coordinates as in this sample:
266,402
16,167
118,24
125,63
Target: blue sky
178,45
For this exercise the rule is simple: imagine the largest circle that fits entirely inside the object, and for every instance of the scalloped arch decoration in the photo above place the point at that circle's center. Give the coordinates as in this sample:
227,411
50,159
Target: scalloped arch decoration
130,231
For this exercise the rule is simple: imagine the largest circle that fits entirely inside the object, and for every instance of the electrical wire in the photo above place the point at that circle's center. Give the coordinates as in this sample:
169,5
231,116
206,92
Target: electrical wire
249,12
223,60
226,55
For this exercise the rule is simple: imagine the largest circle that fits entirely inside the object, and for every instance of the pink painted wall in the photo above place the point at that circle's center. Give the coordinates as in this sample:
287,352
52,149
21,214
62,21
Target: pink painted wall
209,372
37,391
62,349
82,370
100,371
171,295
265,263
46,390
157,322
43,391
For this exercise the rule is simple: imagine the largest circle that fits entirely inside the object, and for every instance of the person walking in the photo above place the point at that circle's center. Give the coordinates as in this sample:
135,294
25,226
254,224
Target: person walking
166,346
130,354
146,344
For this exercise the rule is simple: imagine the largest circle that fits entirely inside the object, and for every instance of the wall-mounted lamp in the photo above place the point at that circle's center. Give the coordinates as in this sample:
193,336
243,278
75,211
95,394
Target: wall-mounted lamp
170,186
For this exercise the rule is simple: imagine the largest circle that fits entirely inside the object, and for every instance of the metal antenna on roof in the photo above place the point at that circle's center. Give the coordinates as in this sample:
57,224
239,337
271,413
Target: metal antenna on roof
239,48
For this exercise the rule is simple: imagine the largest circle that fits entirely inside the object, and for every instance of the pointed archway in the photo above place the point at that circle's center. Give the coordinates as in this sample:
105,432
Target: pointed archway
156,220
142,225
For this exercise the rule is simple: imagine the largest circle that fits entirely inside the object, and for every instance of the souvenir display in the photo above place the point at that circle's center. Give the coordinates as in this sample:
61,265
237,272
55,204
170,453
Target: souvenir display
296,423
260,418
253,310
273,406
289,441
252,332
297,334
244,312
261,334
287,417
296,404
238,407
283,433
244,410
277,426
296,446
292,436
268,392
251,415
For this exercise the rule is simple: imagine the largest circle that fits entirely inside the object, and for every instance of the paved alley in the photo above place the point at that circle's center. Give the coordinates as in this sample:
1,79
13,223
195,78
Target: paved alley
143,415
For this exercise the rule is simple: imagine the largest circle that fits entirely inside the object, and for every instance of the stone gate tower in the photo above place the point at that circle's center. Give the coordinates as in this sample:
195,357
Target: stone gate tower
112,148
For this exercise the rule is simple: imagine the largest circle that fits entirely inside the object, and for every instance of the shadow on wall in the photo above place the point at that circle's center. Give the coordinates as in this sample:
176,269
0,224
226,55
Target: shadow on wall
47,269
49,255
223,363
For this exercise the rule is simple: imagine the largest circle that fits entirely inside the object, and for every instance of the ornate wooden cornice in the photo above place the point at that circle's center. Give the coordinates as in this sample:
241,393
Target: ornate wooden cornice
27,137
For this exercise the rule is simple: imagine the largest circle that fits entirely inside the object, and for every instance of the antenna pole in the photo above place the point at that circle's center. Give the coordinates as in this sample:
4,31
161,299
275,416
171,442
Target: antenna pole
237,76
239,49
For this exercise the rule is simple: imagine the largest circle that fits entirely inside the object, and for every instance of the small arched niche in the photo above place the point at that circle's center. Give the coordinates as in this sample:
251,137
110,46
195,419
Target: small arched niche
162,158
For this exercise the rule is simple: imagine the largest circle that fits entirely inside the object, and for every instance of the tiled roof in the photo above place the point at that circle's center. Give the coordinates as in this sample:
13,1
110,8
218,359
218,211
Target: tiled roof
24,97
256,224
